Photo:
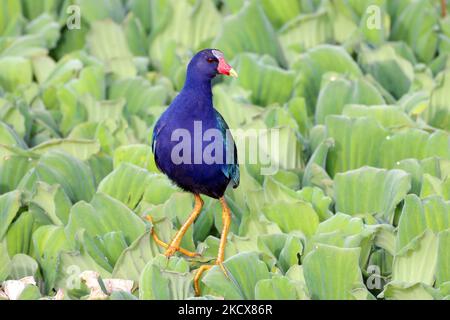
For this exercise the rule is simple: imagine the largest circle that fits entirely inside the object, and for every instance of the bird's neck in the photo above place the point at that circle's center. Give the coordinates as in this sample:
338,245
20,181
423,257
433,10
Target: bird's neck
198,86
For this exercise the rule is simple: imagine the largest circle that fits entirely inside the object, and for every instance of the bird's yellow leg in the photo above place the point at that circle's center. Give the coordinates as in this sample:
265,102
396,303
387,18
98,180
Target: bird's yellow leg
226,220
165,245
175,243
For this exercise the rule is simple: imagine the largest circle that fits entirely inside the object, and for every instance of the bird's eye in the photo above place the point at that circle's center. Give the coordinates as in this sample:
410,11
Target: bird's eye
210,60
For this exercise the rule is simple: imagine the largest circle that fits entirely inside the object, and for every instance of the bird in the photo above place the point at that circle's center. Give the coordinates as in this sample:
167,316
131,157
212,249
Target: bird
193,146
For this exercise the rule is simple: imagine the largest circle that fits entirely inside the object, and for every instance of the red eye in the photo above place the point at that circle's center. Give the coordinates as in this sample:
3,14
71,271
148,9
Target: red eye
210,60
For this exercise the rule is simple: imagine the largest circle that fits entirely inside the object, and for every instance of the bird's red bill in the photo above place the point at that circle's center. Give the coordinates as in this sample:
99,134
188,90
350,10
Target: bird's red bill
224,67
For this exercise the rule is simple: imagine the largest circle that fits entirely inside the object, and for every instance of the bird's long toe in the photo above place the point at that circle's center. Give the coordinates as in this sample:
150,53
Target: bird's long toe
170,250
204,268
198,275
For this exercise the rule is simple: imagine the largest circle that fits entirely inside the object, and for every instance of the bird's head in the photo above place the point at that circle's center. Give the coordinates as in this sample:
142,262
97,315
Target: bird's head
209,63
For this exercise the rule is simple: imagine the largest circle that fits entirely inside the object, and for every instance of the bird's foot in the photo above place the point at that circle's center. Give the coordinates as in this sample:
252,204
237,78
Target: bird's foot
170,250
204,268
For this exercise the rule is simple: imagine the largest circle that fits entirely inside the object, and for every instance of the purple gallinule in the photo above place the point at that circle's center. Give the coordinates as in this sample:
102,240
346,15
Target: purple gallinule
182,151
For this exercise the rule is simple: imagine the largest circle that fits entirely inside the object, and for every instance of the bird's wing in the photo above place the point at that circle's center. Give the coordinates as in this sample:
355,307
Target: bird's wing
230,170
158,127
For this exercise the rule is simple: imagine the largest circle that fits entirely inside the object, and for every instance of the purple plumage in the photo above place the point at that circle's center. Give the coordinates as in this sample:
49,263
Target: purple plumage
191,141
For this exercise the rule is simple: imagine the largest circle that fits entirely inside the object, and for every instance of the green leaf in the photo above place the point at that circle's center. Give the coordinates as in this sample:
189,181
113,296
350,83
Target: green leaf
138,154
282,248
101,165
371,191
443,260
418,215
139,93
415,26
417,261
53,200
30,292
127,184
22,266
166,279
101,9
19,234
434,186
336,92
24,46
315,63
227,97
15,72
9,206
404,291
355,143
385,238
72,264
344,231
277,288
102,215
274,84
438,114
179,26
282,12
413,143
12,10
415,169
387,115
98,111
31,9
280,148
332,278
74,176
46,27
275,191
80,149
315,174
133,260
244,271
293,216
5,262
136,36
49,242
305,32
112,244
16,115
158,190
107,42
91,80
389,68
344,21
298,110
318,200
249,30
142,10
9,137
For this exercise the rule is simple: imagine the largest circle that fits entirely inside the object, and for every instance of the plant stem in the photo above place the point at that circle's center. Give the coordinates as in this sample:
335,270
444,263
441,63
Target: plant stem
443,8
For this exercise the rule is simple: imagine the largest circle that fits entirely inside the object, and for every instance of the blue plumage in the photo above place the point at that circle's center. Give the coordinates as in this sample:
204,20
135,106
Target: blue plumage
190,110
